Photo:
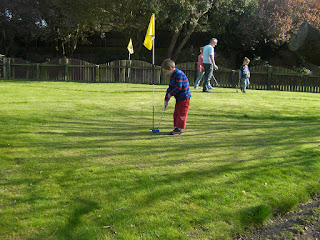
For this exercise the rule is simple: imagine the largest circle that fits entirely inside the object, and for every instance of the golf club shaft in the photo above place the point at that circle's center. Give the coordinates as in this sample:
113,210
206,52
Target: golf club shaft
215,80
161,117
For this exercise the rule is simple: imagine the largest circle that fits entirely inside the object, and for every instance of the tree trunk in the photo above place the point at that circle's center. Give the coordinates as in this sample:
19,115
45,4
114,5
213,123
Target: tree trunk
174,39
184,41
194,23
306,43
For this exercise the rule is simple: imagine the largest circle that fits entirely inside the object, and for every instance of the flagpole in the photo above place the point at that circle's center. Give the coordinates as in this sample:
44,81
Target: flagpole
149,44
129,67
153,37
128,71
130,50
153,106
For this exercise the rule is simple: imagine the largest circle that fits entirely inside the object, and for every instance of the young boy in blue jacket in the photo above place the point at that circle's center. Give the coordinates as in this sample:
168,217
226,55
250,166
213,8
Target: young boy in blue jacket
179,88
244,75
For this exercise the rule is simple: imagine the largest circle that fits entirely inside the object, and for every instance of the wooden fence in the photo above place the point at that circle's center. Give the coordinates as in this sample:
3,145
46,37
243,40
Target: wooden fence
126,71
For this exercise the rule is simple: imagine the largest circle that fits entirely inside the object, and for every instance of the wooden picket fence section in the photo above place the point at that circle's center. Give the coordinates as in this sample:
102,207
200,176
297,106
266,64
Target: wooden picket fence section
135,71
262,78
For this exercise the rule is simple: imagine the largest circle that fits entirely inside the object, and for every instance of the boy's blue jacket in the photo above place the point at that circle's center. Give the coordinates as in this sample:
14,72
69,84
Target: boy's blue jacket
244,71
178,86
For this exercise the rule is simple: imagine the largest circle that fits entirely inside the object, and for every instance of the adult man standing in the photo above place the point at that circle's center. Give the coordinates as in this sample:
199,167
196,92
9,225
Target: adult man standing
209,63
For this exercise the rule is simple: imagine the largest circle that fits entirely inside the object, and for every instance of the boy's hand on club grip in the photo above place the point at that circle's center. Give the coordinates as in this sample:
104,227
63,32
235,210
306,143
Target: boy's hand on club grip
166,102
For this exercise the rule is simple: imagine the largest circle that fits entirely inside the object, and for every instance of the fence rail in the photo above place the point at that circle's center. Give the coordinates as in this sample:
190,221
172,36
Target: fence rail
135,71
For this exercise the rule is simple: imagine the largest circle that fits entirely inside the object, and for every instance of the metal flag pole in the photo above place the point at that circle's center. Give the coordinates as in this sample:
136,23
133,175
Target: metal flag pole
128,71
153,37
153,107
149,44
129,66
130,50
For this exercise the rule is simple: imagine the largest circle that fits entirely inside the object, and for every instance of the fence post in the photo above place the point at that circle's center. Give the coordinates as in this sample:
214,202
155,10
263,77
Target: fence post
97,77
6,68
304,88
153,74
66,72
233,77
38,72
123,66
161,76
129,75
269,78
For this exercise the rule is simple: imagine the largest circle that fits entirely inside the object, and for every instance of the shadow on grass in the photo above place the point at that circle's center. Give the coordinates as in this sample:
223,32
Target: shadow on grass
262,117
71,230
136,140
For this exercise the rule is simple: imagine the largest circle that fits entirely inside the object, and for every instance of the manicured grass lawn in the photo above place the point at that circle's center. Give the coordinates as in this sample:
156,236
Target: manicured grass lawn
78,161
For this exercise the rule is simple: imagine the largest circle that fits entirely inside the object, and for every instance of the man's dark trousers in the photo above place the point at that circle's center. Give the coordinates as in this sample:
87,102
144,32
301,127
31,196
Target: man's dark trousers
208,72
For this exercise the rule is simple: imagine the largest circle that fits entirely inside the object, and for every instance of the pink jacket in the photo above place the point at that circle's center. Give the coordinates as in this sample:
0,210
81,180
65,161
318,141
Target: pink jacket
200,63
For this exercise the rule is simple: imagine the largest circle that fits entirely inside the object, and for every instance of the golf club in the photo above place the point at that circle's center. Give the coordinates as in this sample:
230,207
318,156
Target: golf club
157,130
215,80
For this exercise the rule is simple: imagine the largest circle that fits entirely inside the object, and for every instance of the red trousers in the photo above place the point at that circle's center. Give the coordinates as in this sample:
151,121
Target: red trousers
181,113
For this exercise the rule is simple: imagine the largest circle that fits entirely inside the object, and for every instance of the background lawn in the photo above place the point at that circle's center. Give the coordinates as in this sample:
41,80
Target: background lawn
78,161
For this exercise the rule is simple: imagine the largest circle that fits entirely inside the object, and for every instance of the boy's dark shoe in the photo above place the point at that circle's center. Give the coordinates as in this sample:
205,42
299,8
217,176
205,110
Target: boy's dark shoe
177,131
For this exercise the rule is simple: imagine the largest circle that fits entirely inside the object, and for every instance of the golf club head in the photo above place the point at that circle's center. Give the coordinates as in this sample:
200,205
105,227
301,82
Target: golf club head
155,130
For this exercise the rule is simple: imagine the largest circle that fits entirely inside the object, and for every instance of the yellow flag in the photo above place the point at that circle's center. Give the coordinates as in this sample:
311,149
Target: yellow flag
130,47
150,33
